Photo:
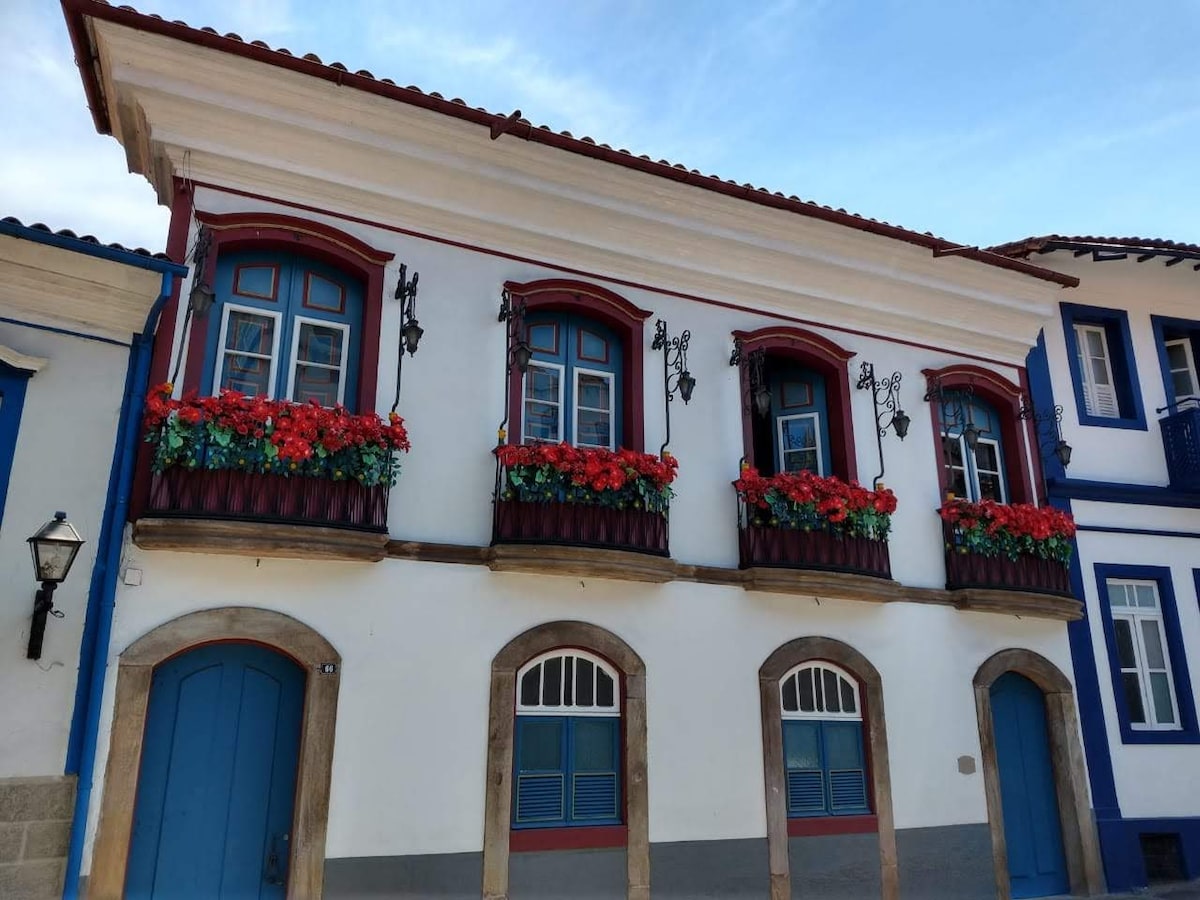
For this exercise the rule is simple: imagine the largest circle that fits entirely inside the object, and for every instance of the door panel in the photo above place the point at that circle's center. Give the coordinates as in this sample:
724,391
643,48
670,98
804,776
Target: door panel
1032,828
218,775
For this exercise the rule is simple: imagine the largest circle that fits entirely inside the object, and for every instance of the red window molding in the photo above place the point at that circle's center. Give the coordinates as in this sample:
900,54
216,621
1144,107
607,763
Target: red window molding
818,825
1005,397
581,838
269,231
608,308
822,355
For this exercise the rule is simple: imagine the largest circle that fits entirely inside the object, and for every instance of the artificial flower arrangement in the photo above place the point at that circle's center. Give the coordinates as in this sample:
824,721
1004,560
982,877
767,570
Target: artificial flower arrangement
618,479
1011,529
278,437
806,501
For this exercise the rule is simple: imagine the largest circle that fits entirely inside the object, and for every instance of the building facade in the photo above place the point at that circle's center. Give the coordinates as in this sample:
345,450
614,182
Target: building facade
1120,359
496,679
75,316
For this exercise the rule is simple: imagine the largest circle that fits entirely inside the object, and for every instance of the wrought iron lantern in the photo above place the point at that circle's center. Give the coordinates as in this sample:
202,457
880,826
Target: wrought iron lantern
54,548
885,397
676,377
1047,425
755,361
410,329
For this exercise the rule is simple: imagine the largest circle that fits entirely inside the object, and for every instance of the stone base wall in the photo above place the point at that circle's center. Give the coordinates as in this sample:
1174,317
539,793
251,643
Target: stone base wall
35,827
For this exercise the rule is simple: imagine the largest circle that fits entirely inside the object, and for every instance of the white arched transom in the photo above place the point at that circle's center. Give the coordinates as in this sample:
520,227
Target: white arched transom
820,690
568,682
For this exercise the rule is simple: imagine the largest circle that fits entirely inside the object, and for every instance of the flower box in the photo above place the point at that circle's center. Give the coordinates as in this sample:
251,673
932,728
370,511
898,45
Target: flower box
1009,547
821,549
580,525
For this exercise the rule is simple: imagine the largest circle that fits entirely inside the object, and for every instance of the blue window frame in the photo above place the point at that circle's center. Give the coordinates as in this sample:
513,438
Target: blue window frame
567,748
1178,343
794,435
1152,691
284,326
573,388
13,382
1103,368
978,475
823,750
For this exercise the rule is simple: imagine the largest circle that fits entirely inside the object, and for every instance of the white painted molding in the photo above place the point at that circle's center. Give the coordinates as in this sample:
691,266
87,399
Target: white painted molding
17,360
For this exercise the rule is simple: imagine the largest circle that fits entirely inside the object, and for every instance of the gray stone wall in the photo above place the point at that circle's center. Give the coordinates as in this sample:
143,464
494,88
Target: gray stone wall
35,826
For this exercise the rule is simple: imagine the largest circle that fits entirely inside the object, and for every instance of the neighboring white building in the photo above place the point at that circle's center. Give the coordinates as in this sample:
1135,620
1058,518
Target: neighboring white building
75,316
478,694
1120,358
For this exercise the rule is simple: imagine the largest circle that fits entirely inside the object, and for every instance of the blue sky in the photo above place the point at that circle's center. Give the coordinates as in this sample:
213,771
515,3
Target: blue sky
979,121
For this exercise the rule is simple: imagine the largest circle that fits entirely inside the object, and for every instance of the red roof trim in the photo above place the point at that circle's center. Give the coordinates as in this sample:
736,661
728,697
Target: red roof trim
76,11
1028,245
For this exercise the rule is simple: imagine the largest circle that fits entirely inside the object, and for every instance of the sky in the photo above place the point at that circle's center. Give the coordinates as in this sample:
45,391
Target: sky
979,121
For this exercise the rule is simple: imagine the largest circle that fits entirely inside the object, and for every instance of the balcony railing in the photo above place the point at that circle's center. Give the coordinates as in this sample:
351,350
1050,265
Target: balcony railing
966,569
580,525
1181,443
820,548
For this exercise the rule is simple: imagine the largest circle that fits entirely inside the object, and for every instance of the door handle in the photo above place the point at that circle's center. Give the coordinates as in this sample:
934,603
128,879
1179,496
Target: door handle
276,868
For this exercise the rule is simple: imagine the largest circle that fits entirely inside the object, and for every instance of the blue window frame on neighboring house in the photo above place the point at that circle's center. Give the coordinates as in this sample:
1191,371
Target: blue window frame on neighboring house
567,750
13,382
1103,368
572,390
1146,653
823,747
1178,342
284,326
978,475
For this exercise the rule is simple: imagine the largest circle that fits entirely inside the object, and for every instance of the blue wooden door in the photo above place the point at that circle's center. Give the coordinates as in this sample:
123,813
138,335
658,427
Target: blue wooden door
214,801
1032,829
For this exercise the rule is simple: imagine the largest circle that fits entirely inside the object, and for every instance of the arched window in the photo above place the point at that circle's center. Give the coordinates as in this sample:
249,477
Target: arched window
573,388
794,435
823,752
979,474
284,326
567,750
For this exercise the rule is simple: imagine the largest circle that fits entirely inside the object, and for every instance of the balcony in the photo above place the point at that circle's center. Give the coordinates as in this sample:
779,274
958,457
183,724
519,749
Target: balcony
1181,443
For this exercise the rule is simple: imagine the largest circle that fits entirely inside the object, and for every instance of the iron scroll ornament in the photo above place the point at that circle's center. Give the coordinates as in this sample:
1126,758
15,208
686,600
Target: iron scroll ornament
410,329
885,397
676,377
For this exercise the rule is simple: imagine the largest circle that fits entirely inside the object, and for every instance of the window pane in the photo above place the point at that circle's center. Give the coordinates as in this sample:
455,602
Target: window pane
795,393
798,434
989,487
604,689
593,391
320,344
321,293
541,383
543,338
843,745
569,681
987,457
541,421
552,681
1099,371
529,687
1126,656
1095,343
249,374
316,383
802,745
1152,639
592,347
956,482
1116,594
594,745
1177,356
250,333
952,447
833,701
1160,689
1147,597
541,744
256,281
818,694
800,460
807,702
585,673
848,704
1133,697
791,702
1182,384
594,429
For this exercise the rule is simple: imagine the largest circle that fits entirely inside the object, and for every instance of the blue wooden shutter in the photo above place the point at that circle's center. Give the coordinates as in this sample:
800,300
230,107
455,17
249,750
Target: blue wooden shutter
845,768
805,777
540,777
595,771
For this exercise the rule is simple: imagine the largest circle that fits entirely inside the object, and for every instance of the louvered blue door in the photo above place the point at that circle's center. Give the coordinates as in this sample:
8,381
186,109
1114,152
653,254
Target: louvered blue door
826,768
1032,830
566,771
218,775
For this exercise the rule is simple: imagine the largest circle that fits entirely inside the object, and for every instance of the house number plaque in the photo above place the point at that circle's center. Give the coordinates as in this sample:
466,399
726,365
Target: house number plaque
327,668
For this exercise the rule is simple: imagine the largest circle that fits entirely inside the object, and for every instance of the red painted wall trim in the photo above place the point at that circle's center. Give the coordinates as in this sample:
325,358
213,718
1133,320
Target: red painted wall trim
810,827
239,231
585,273
826,357
77,10
579,838
1005,396
593,301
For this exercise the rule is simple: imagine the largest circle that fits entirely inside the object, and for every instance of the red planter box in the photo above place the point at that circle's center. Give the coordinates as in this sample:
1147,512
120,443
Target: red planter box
819,549
248,496
1025,573
579,525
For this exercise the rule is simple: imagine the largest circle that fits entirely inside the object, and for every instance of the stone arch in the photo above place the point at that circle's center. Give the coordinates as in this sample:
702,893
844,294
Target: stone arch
135,670
1080,842
501,724
776,666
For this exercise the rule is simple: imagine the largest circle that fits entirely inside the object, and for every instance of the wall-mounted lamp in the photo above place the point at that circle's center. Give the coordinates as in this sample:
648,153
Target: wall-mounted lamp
201,296
676,377
517,352
410,328
1053,440
755,361
885,397
54,548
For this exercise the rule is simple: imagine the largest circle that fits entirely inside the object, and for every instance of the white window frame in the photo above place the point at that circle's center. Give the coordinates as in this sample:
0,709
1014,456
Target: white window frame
973,469
1186,344
222,350
820,667
537,363
570,710
1136,615
1092,390
294,361
779,444
612,410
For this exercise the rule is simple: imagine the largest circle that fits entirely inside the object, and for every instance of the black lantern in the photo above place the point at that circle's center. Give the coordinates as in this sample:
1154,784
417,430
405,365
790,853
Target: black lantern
1062,450
54,549
676,377
900,422
200,298
410,329
762,400
687,384
411,332
971,435
522,354
885,398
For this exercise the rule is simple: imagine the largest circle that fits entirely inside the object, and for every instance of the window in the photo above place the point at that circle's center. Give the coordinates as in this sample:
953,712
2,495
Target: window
823,742
1103,371
284,326
794,434
13,382
1147,659
572,389
1142,654
1179,348
978,475
567,750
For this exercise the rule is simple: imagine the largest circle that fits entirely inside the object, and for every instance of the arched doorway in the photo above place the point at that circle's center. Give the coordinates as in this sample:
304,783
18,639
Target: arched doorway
218,775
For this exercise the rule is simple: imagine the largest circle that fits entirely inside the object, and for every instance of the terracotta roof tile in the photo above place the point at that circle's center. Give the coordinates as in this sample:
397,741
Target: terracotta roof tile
86,238
1025,246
